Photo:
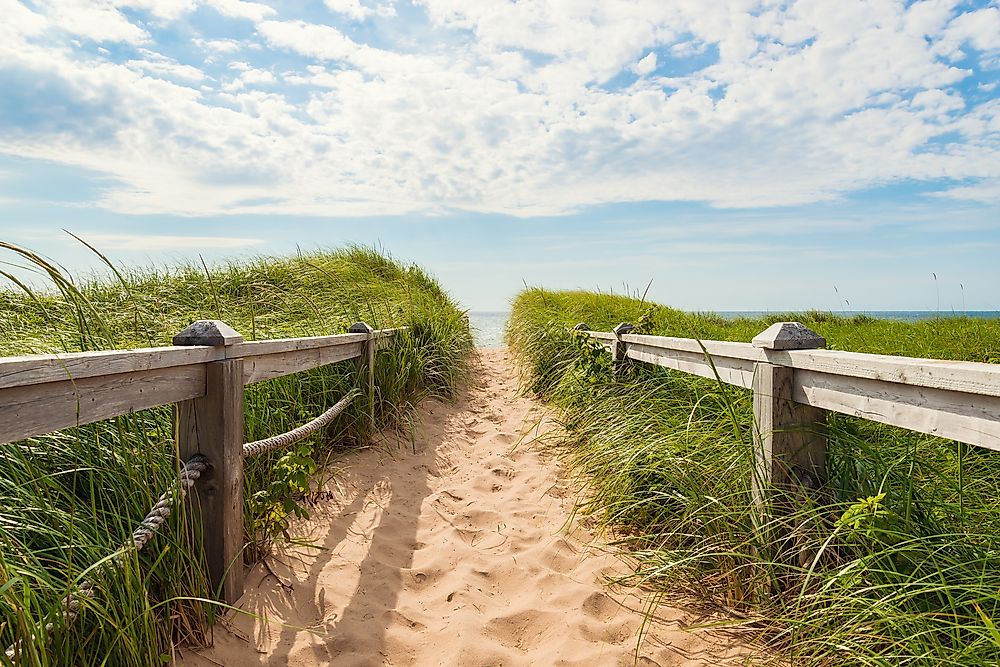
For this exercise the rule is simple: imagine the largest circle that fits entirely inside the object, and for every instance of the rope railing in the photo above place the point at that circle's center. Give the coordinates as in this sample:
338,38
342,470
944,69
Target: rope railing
189,473
299,433
206,384
143,533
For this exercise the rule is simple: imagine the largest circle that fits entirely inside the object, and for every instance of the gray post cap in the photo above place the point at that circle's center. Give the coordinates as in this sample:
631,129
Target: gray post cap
360,327
788,336
623,329
208,332
581,327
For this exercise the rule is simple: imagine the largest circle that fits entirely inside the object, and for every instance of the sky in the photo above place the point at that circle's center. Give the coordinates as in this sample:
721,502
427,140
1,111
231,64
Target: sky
737,155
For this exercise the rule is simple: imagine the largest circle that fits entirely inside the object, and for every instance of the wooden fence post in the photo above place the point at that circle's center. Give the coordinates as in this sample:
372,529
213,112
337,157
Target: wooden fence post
368,361
619,347
213,427
789,443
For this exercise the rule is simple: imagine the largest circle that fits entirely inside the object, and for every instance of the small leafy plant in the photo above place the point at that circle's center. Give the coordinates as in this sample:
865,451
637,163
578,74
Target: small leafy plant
593,364
897,560
863,517
282,498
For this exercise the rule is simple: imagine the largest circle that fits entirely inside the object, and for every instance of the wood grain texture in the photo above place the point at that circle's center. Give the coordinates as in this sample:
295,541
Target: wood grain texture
965,376
212,426
259,348
369,351
788,437
34,369
717,348
617,349
969,418
43,368
731,371
270,366
42,408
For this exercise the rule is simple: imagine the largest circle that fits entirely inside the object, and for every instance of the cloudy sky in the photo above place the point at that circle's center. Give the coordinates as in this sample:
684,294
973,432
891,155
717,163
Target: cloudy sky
742,155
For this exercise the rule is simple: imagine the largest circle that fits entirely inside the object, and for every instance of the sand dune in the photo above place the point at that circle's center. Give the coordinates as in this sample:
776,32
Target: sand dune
447,546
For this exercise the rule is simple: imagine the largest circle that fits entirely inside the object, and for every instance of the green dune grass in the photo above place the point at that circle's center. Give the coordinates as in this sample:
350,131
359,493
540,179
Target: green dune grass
68,499
901,554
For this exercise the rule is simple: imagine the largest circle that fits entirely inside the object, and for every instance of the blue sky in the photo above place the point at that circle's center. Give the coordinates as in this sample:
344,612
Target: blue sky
747,155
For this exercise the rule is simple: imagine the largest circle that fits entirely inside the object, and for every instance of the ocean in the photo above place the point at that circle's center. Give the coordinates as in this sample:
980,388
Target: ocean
903,315
487,327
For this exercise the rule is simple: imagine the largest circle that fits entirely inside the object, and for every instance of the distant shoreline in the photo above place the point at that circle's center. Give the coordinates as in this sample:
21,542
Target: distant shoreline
488,325
880,314
903,315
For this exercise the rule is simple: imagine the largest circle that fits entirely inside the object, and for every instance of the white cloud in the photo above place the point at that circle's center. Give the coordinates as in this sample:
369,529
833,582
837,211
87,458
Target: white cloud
253,11
156,242
161,66
255,76
687,49
325,42
350,8
988,193
95,20
168,10
646,64
249,77
19,21
502,107
980,28
219,46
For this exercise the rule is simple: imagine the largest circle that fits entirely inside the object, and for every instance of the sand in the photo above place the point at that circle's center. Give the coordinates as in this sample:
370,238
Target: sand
448,544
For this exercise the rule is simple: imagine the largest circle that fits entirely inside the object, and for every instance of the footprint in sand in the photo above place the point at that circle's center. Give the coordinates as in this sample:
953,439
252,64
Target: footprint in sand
465,563
560,556
524,630
421,579
600,606
504,439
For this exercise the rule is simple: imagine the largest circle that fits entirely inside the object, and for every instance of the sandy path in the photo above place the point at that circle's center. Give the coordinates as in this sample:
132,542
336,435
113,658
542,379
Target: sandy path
449,548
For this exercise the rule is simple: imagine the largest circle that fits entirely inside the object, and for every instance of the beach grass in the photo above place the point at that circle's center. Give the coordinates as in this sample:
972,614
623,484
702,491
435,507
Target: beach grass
69,499
897,562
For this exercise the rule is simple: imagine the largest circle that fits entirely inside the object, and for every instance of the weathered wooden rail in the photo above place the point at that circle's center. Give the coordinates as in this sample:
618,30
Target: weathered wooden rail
795,383
203,375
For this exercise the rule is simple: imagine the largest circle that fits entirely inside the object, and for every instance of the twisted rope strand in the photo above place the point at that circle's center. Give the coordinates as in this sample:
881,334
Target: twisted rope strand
143,533
285,439
156,517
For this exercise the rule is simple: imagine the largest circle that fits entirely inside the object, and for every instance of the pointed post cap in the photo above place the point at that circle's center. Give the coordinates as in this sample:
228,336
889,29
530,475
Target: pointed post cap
208,332
360,327
581,327
623,329
789,336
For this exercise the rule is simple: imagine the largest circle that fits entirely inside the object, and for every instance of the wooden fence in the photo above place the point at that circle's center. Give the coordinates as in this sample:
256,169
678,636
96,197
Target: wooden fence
795,383
202,375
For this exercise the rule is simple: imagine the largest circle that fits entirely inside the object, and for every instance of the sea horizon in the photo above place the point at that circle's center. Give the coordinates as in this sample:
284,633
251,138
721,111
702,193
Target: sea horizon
488,325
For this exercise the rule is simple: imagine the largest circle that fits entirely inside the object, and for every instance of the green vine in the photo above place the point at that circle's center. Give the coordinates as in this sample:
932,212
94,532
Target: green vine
593,362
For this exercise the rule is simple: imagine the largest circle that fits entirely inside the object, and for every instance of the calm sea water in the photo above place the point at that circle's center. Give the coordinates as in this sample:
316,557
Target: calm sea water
487,327
903,315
